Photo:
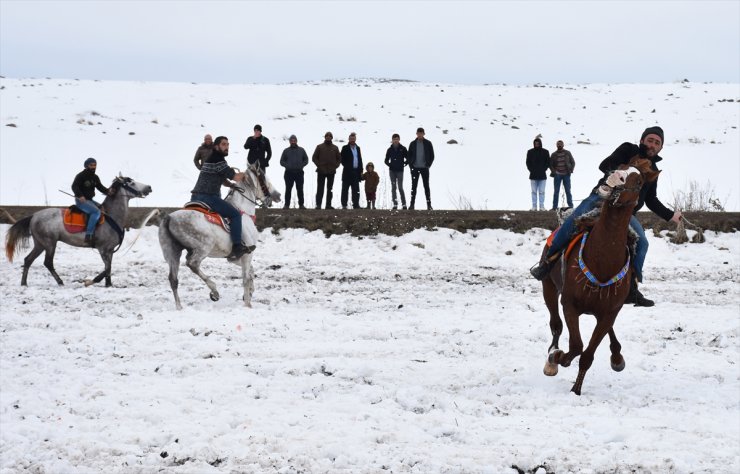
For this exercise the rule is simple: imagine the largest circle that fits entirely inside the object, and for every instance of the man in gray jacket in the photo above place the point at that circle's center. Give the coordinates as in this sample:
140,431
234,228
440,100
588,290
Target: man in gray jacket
293,159
562,165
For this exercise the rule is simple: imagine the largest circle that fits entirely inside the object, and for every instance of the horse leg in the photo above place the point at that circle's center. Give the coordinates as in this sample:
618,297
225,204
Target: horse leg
616,359
575,344
174,263
247,279
550,293
49,264
107,257
603,325
33,255
193,260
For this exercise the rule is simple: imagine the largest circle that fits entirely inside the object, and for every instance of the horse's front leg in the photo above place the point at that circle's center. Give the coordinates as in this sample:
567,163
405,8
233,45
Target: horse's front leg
107,256
550,294
575,344
193,261
603,326
617,361
247,279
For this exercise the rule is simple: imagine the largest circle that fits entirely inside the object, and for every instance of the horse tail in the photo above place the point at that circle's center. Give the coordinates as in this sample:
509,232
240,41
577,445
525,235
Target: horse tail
17,237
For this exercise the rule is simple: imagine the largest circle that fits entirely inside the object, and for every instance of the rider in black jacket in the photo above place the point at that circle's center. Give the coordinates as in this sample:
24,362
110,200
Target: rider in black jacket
83,187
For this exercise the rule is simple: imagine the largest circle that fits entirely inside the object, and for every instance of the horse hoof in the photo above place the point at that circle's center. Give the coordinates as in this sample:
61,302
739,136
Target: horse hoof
618,367
576,390
214,296
550,369
88,282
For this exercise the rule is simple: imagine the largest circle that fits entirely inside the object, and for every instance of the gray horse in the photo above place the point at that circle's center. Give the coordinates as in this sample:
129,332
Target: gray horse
189,230
47,228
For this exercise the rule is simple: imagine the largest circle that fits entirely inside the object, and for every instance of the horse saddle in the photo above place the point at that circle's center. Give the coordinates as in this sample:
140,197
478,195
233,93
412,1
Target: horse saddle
211,216
76,221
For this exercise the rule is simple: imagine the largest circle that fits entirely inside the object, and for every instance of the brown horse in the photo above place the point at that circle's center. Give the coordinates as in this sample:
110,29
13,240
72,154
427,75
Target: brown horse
595,278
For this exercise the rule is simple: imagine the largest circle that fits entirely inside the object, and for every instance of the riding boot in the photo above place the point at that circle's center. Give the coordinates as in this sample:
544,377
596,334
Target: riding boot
237,252
635,297
542,269
90,240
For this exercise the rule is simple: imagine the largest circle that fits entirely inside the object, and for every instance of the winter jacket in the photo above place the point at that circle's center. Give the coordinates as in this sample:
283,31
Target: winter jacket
649,191
428,153
202,155
348,172
212,175
327,158
538,162
294,158
371,181
563,158
85,183
396,157
259,149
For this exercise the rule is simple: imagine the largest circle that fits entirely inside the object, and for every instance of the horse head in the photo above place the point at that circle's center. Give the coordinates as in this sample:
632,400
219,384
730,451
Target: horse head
130,187
630,179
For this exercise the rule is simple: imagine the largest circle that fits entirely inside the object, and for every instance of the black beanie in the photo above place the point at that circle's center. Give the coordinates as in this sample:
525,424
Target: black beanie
653,131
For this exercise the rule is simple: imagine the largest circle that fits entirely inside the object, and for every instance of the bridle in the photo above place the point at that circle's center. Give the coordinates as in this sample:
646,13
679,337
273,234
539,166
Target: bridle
132,190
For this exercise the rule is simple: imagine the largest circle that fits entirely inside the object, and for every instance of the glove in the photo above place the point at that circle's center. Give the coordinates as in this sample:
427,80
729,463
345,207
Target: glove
617,178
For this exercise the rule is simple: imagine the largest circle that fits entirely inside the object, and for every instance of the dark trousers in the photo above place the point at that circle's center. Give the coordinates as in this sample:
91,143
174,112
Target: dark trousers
293,177
321,179
424,172
354,183
225,210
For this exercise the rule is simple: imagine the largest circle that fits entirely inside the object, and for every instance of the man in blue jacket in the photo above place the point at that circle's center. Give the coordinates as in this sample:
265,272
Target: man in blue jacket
396,158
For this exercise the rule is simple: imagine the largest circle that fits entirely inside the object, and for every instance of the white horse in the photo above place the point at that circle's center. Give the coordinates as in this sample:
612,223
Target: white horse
190,231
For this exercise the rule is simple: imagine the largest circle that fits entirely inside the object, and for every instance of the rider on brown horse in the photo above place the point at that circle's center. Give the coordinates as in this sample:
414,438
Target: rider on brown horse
651,143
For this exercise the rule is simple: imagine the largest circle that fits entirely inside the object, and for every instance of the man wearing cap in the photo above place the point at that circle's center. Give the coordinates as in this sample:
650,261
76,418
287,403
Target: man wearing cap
203,152
651,143
259,149
83,187
327,159
351,171
293,159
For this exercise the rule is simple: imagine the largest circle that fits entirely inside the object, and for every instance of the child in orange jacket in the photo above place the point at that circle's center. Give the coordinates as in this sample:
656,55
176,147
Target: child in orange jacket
371,179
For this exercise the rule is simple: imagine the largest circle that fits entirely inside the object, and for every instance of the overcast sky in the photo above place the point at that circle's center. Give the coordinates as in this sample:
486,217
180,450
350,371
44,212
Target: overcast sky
521,42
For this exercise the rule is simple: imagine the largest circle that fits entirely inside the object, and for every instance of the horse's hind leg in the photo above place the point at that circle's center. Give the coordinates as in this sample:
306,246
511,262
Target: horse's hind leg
550,293
617,361
174,263
49,264
33,255
193,261
247,280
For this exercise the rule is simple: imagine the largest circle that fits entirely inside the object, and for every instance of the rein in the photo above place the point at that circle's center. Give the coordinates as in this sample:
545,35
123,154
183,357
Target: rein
590,275
617,192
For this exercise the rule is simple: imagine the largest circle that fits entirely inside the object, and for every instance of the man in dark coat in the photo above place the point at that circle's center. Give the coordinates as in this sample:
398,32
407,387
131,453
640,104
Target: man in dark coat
351,171
538,162
259,149
421,157
83,187
327,159
203,152
293,159
651,143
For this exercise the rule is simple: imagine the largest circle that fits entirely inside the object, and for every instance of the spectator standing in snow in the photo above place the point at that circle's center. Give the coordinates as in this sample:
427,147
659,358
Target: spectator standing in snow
203,152
562,165
372,180
259,149
396,158
327,159
351,171
538,162
293,159
421,157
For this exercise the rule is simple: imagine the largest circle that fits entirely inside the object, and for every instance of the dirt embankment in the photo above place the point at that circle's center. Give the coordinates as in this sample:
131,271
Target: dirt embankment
371,222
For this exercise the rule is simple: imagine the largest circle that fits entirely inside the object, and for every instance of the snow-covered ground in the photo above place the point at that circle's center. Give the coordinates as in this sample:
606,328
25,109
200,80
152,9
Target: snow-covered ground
150,131
421,353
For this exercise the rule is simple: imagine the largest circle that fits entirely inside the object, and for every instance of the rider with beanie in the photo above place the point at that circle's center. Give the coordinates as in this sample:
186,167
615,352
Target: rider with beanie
651,143
83,187
214,172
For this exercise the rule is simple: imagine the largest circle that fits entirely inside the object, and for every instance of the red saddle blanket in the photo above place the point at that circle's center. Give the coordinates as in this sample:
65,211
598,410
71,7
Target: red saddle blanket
76,221
572,243
214,217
